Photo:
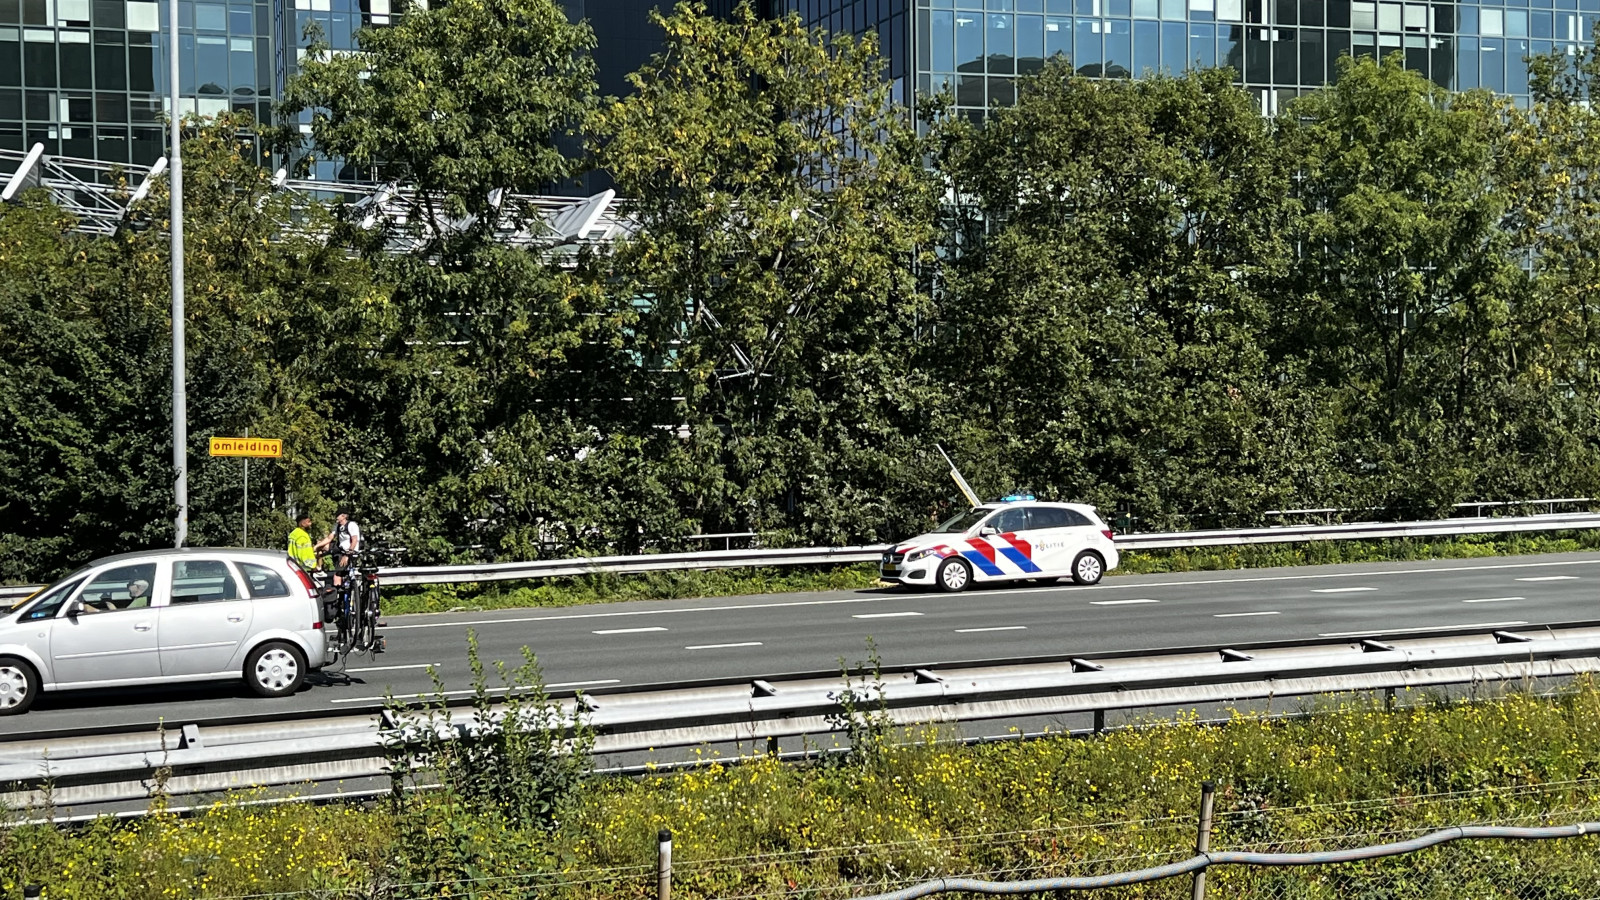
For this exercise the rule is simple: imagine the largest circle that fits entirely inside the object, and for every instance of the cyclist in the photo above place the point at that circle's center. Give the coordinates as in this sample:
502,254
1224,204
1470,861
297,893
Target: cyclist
347,534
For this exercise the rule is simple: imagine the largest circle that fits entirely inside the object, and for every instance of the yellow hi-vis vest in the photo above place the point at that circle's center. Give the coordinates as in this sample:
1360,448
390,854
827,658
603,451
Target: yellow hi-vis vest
300,549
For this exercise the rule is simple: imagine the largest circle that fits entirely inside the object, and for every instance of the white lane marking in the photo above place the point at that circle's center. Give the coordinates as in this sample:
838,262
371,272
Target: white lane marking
1551,578
1119,602
548,687
992,628
723,646
893,615
1242,615
630,630
1494,599
630,612
1205,581
1372,631
391,668
1349,590
1105,586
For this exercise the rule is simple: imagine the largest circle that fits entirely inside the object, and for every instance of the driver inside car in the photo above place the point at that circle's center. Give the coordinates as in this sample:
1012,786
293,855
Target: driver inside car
138,598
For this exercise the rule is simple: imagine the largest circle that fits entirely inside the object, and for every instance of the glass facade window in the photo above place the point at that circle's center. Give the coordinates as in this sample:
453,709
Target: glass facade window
1277,48
85,70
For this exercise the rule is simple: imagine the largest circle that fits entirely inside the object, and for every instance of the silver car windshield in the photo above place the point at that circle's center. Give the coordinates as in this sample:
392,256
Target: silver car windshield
51,596
965,521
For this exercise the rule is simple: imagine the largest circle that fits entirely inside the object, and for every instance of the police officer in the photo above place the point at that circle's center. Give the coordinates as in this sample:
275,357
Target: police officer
301,549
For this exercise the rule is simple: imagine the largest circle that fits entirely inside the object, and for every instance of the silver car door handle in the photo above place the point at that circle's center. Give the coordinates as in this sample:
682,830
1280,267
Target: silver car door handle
142,626
236,618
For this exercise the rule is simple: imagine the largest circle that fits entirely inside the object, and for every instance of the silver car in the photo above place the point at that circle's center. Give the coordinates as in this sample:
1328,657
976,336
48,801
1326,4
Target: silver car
163,617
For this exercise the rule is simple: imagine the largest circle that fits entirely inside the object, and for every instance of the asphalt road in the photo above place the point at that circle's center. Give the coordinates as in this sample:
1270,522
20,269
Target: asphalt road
624,644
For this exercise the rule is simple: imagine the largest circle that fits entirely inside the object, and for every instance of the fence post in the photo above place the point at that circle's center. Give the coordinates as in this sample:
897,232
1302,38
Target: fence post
664,865
32,892
1202,840
772,745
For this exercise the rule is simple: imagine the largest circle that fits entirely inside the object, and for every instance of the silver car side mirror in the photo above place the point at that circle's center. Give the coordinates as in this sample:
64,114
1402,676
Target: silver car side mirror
75,608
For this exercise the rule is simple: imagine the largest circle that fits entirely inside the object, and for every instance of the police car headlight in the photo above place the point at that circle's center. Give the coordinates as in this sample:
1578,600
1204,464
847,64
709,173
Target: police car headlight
918,554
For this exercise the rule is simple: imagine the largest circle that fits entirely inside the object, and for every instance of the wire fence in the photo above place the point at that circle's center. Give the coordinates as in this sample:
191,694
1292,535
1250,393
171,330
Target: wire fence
1474,868
1470,868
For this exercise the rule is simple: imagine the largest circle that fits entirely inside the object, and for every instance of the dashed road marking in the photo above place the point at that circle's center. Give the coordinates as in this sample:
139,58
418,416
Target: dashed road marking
630,630
548,687
992,628
1494,600
1269,612
1372,631
1551,578
391,668
723,646
1119,602
893,615
1349,590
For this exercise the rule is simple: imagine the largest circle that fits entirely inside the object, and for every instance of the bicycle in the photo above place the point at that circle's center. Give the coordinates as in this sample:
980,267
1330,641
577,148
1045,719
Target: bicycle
357,606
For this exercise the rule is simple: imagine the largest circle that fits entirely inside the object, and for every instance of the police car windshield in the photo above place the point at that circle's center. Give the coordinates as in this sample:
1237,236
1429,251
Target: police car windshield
965,521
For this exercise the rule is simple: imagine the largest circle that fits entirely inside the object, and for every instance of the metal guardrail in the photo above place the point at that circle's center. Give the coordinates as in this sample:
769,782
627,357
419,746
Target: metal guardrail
814,556
204,758
870,553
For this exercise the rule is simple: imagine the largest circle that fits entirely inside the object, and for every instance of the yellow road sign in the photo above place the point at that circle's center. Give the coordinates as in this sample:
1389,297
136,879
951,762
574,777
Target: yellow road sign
262,447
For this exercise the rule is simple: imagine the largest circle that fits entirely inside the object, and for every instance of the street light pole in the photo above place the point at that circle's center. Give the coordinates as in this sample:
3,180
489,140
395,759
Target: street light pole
180,400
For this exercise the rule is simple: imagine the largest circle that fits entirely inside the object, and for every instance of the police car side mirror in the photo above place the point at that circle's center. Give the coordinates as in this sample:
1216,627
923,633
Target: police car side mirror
987,530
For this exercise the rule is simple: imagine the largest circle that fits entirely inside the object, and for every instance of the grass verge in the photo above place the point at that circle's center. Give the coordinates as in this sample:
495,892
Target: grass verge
1349,773
604,588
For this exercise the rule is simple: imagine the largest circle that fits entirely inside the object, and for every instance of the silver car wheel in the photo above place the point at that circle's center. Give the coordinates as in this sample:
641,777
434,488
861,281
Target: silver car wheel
14,686
277,670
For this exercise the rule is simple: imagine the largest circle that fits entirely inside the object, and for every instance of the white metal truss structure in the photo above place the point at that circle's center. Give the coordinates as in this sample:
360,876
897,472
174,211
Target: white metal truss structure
101,197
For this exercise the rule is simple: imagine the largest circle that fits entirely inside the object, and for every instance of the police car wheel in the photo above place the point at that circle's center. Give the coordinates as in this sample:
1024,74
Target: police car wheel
954,575
1088,567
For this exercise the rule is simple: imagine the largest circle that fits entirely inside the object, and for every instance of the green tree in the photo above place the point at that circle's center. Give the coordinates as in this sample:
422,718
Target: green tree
88,360
457,101
1408,273
484,421
1111,267
784,219
82,368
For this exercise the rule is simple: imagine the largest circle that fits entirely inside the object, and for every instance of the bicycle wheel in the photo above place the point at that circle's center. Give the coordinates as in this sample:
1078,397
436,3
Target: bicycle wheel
364,620
347,620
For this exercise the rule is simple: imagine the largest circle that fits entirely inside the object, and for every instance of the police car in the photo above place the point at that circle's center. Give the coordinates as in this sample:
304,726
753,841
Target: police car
1019,540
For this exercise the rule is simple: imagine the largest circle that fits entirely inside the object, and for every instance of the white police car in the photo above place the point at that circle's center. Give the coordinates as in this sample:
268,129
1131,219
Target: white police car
1024,540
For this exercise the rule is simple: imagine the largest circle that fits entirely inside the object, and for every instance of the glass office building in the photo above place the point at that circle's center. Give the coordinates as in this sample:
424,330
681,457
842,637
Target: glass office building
88,78
891,19
1279,48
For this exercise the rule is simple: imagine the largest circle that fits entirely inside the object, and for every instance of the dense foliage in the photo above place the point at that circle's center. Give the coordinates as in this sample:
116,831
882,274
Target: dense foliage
1141,294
